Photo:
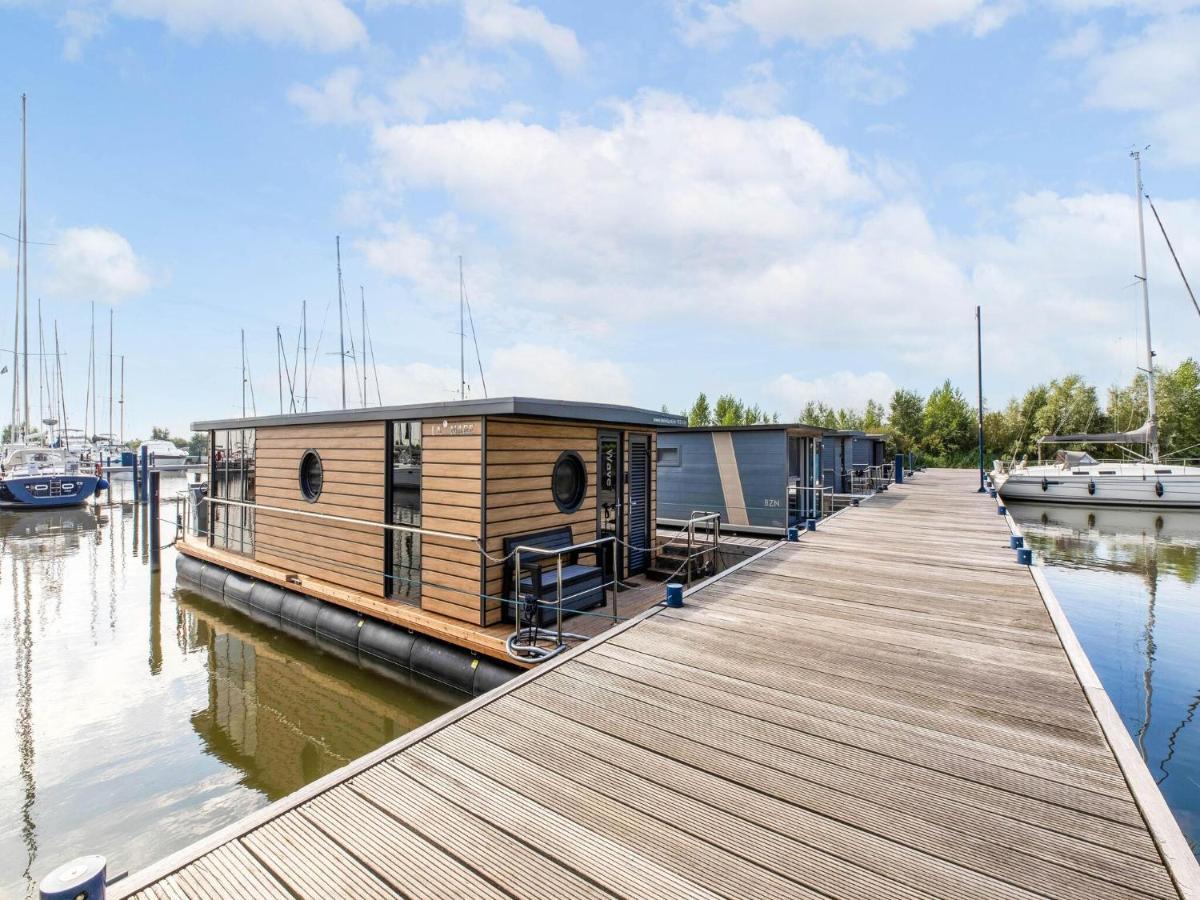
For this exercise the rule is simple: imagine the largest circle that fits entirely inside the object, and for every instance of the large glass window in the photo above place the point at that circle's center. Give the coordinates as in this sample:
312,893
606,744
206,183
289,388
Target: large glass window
232,478
404,567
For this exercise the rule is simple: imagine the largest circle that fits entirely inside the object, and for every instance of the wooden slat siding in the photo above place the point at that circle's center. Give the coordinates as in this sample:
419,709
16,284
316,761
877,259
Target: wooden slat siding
531,447
353,460
451,502
715,750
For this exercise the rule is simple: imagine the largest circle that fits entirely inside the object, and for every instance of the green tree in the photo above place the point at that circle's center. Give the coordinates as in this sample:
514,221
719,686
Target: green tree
198,445
1070,407
817,413
873,416
906,420
700,413
948,423
728,410
160,434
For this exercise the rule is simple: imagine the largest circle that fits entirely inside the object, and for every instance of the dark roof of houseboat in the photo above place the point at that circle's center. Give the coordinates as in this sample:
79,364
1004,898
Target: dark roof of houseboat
498,406
813,430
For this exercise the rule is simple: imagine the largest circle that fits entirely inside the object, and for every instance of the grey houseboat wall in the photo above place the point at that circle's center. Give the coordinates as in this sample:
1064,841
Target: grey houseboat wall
837,459
743,473
845,451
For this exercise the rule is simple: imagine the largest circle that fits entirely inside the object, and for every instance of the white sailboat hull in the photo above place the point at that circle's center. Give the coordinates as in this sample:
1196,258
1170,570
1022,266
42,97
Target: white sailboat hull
1145,489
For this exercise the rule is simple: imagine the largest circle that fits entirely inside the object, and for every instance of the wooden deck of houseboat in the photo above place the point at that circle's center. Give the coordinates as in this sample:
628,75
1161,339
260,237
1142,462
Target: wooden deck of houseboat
638,595
890,708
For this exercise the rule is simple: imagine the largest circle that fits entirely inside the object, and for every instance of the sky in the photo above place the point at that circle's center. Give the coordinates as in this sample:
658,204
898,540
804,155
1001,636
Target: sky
789,200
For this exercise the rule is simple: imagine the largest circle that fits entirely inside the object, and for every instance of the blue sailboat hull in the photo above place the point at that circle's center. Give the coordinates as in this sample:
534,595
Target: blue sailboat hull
42,491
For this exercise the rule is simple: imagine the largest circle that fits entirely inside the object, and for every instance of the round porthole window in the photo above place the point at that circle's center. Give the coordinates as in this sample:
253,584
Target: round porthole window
569,482
312,475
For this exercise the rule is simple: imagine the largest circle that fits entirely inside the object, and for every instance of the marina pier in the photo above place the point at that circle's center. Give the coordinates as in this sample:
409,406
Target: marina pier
889,707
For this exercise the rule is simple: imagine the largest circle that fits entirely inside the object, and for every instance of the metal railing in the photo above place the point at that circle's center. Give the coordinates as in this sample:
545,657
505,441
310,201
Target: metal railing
522,633
823,505
699,517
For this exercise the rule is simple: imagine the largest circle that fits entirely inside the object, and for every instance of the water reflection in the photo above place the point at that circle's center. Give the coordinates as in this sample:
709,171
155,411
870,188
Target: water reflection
144,716
1127,580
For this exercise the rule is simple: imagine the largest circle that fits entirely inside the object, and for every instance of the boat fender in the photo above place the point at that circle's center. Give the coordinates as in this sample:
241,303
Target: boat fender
1158,488
382,642
1045,484
443,662
264,603
334,623
1091,487
298,614
99,469
236,592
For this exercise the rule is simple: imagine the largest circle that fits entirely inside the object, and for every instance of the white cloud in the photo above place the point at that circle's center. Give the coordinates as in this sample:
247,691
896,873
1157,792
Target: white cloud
498,22
323,25
95,264
1155,72
1082,43
443,80
553,372
760,94
844,389
759,229
334,101
527,369
816,22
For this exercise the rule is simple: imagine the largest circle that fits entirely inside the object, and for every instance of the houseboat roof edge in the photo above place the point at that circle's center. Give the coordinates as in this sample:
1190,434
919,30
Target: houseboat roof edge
499,406
810,430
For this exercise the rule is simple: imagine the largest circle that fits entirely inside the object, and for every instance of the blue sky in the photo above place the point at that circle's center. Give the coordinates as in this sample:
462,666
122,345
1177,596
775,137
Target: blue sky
789,200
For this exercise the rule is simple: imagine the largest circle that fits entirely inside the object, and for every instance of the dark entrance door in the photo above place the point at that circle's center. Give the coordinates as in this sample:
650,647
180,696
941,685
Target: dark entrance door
639,503
610,476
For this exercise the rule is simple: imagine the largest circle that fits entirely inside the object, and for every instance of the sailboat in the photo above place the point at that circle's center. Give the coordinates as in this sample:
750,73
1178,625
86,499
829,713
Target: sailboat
32,475
1076,477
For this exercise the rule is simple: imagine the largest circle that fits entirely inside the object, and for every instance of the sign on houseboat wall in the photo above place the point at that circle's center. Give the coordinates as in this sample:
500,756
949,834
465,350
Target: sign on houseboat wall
448,427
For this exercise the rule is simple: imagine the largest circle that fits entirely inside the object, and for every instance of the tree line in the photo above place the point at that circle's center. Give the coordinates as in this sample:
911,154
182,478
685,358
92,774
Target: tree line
941,428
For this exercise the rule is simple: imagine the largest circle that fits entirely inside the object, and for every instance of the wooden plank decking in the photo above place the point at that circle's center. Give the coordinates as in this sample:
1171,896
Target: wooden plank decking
882,710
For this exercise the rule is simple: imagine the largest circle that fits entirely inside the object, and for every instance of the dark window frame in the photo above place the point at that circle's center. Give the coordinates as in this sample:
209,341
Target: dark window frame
303,477
572,505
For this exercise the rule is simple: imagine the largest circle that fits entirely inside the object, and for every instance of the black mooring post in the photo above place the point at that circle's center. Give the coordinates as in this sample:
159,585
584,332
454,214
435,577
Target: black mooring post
152,514
979,362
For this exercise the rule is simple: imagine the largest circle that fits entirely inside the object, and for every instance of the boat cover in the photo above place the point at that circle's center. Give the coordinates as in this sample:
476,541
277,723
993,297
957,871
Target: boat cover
1069,459
1143,435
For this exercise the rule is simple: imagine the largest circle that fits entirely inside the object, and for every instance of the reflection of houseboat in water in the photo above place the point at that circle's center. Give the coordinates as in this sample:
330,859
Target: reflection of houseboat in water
467,525
286,715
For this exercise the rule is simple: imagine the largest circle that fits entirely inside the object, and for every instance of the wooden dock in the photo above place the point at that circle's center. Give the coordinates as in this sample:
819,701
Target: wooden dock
884,709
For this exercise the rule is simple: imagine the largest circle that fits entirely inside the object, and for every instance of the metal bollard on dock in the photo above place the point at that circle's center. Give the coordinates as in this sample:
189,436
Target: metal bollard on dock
1015,541
675,595
1025,557
810,524
793,533
898,469
80,879
1001,510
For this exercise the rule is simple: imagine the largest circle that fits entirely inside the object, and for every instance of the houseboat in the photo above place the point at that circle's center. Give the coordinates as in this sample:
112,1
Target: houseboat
855,463
759,478
427,517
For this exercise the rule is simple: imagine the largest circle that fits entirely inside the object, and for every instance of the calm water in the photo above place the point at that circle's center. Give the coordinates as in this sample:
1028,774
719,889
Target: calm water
136,717
1128,582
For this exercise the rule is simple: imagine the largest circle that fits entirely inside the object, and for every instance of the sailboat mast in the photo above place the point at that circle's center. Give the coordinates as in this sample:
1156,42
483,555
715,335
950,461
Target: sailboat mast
62,395
110,376
16,369
363,334
25,265
41,366
304,328
1151,406
341,321
243,373
462,332
279,365
122,400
